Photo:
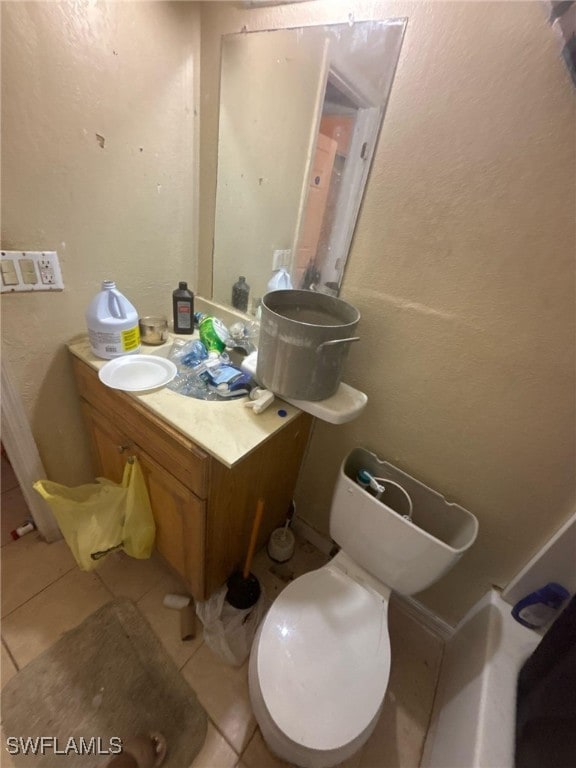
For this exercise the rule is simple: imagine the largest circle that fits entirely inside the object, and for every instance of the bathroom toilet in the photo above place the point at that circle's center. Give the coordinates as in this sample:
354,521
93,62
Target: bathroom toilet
318,677
320,661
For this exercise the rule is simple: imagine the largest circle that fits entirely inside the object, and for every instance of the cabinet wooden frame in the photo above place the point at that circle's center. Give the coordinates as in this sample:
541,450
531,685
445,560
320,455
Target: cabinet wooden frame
203,509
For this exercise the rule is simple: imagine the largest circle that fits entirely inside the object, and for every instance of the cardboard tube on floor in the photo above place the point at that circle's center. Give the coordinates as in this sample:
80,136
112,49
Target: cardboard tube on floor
188,622
176,601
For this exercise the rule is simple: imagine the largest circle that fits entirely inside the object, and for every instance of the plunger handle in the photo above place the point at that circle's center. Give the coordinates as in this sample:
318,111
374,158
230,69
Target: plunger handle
253,537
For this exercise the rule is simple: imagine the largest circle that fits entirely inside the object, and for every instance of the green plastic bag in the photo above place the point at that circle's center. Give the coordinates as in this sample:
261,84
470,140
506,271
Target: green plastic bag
98,518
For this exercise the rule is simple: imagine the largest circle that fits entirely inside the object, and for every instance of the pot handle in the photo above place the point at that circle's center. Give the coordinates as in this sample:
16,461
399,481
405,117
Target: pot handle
336,341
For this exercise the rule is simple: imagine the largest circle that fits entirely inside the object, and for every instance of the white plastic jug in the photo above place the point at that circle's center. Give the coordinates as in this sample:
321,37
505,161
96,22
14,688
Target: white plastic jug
280,280
112,323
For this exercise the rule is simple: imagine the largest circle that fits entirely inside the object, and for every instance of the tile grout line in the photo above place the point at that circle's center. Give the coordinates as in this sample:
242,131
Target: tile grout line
44,588
220,732
101,580
250,740
189,658
156,583
9,652
223,735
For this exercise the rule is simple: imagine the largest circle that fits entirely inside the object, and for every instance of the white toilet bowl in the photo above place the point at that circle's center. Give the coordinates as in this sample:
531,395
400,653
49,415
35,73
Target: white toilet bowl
320,662
319,666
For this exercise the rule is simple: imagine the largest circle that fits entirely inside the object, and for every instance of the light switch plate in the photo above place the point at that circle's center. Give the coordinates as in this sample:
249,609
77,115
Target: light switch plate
30,271
9,275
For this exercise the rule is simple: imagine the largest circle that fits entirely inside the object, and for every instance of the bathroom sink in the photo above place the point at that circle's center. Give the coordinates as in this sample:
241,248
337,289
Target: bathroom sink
236,355
187,385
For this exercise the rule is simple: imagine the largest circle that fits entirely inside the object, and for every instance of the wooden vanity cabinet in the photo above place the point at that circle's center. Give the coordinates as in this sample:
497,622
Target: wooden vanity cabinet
203,509
178,513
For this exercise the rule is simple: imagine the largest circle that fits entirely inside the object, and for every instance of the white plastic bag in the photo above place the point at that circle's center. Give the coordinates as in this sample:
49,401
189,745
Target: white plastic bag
229,631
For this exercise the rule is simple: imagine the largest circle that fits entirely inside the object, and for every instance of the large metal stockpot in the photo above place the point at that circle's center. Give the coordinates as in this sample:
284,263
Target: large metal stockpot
304,341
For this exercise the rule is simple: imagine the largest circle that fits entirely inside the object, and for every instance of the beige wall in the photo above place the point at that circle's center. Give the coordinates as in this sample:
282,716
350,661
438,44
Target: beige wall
125,212
462,266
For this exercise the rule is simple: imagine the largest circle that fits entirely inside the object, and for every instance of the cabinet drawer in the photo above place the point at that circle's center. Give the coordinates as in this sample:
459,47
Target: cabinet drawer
172,450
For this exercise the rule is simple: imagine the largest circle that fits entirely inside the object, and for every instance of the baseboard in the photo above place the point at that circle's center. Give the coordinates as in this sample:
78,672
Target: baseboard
409,605
319,540
425,617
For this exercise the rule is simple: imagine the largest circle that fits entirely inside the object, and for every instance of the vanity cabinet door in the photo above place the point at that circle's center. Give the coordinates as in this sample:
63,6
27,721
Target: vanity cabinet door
110,447
180,524
179,514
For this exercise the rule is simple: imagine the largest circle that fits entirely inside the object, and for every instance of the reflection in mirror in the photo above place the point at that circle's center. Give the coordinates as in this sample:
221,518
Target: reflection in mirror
300,112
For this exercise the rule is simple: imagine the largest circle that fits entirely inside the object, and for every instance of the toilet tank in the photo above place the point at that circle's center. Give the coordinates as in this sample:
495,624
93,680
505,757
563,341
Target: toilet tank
406,555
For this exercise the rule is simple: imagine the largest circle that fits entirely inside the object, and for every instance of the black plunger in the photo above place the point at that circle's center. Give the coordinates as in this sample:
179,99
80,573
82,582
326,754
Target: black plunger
243,586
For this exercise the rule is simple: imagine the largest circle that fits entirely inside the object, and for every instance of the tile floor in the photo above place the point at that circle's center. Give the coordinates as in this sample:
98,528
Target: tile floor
44,595
14,508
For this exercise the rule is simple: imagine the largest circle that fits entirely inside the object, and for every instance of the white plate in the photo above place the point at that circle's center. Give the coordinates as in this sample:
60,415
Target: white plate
136,373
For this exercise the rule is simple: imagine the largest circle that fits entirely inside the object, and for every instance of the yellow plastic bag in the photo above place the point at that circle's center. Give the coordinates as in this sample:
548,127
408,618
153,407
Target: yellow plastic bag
98,518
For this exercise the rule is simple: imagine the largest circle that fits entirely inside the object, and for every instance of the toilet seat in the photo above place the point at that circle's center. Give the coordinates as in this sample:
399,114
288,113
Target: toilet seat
323,658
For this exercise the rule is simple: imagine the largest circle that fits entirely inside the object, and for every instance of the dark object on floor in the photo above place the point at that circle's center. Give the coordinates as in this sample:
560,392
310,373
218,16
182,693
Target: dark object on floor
141,752
244,587
546,699
109,677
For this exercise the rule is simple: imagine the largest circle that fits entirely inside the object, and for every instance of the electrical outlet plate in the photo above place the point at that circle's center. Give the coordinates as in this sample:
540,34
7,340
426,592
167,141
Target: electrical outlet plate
30,271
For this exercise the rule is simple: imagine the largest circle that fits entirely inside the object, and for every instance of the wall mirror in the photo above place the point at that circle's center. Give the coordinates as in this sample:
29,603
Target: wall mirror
300,114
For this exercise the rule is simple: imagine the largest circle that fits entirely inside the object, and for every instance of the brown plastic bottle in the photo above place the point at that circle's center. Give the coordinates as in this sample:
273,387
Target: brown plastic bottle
183,309
240,293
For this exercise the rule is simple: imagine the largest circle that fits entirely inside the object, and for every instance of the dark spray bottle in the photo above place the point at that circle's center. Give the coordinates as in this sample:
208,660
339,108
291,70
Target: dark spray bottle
183,309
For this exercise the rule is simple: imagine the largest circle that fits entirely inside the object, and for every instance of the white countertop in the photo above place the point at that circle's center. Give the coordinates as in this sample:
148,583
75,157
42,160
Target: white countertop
226,430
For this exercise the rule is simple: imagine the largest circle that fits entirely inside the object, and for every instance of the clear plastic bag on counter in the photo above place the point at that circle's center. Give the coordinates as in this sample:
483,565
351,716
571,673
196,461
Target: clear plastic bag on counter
229,631
187,353
207,378
192,384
